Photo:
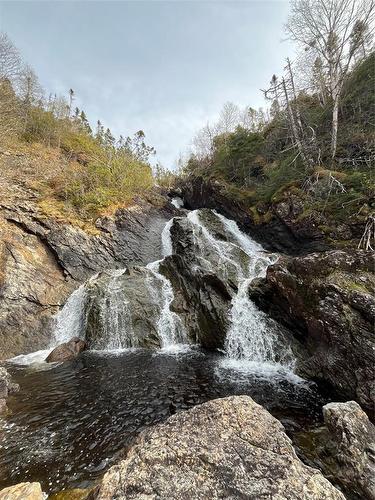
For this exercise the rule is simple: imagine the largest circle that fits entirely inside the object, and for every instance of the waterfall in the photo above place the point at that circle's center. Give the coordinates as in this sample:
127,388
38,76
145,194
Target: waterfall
177,202
115,312
119,305
253,339
166,240
70,321
169,326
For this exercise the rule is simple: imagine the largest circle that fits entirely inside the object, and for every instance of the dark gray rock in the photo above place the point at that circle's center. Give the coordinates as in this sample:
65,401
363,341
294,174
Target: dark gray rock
328,300
225,449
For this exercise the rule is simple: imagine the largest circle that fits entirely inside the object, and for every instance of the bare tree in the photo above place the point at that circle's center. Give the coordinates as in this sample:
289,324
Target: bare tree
10,67
336,31
228,119
10,59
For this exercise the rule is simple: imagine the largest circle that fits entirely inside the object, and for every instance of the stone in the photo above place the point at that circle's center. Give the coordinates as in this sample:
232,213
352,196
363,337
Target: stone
66,351
328,300
351,448
129,300
6,387
225,449
22,491
43,259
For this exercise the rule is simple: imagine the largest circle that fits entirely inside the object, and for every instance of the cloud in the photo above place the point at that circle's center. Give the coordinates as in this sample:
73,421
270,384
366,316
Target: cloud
163,67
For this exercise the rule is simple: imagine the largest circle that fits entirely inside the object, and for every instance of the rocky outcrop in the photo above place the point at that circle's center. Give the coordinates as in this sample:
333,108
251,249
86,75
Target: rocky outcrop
351,448
43,258
201,300
226,448
203,287
22,491
344,449
328,300
123,307
283,225
66,351
6,387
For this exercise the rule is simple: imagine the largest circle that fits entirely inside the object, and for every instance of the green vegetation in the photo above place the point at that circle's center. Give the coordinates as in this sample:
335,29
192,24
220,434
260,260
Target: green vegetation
262,165
91,172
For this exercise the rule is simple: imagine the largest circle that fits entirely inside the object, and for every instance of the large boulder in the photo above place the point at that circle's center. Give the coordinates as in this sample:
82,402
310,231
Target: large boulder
123,309
226,448
203,287
351,448
328,300
201,300
22,491
66,351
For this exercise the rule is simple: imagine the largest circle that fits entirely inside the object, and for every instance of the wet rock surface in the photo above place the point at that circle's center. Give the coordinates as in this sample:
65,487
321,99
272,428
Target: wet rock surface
7,387
226,448
328,300
122,310
67,350
22,491
43,259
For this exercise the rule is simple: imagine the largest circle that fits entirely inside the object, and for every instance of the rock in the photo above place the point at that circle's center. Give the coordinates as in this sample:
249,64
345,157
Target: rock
201,300
124,306
351,448
6,387
279,226
328,300
67,351
227,448
43,259
22,491
74,494
203,286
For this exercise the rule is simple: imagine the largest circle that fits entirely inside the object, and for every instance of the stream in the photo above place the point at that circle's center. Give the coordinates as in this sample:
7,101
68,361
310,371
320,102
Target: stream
71,421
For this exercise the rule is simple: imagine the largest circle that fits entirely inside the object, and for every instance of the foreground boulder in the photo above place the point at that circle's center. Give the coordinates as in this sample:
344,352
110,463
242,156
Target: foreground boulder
351,448
328,300
67,351
22,491
226,448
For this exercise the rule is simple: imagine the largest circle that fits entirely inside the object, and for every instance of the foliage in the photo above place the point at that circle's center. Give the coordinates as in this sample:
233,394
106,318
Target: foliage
94,171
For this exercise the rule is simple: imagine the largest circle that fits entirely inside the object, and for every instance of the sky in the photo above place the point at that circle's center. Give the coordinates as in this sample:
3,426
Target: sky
164,67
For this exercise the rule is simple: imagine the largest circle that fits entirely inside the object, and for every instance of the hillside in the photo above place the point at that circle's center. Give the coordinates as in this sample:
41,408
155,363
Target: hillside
260,168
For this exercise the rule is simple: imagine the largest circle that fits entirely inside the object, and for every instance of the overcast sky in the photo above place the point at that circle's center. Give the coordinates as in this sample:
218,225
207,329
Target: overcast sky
165,67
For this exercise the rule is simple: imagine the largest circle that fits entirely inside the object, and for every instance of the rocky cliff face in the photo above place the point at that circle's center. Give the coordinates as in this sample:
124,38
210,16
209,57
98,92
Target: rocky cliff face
226,448
281,226
328,300
43,259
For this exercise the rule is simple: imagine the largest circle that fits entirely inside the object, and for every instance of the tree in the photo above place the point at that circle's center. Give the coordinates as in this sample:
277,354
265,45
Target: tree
71,97
10,60
337,32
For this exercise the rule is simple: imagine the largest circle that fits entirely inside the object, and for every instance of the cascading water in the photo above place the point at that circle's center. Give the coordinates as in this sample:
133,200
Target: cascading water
253,340
252,337
169,326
